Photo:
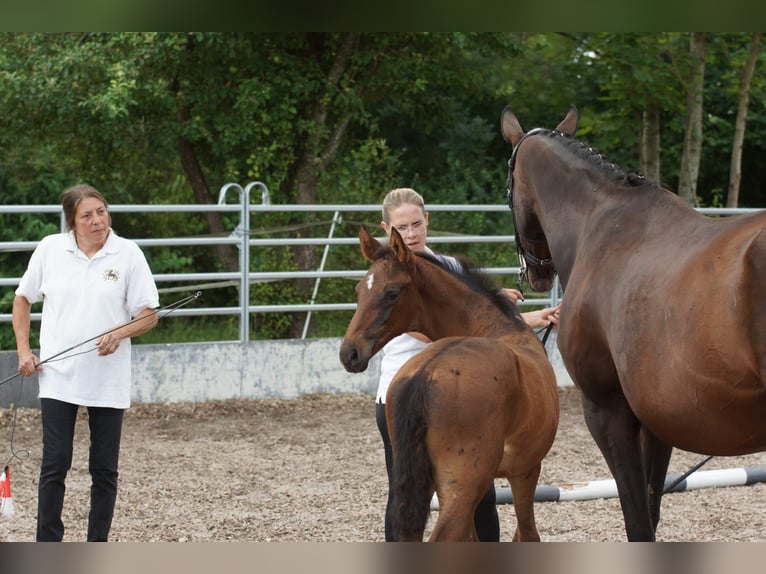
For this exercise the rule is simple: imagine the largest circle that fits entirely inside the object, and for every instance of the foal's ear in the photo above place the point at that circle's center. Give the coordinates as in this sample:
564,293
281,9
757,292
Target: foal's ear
510,127
399,247
368,243
569,124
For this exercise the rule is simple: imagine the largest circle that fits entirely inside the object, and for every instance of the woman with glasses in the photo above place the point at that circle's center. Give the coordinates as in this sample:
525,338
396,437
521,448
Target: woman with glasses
404,210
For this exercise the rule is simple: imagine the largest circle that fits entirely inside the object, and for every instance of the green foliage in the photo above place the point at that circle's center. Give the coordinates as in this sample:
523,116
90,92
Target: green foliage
407,109
180,329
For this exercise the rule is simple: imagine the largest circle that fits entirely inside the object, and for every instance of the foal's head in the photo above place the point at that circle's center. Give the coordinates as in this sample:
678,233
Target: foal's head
383,310
404,291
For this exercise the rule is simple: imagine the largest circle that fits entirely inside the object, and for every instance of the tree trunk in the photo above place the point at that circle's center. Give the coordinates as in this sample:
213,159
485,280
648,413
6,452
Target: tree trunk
196,178
195,175
650,142
745,81
690,162
315,156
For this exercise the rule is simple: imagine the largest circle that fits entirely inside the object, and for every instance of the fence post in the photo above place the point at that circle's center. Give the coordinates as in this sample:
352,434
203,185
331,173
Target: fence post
245,335
243,229
555,291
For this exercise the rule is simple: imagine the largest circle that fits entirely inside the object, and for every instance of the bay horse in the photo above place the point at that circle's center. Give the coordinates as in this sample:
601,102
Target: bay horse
663,319
479,402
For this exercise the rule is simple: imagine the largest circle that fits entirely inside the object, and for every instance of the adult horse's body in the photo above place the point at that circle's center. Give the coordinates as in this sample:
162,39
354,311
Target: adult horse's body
478,403
663,322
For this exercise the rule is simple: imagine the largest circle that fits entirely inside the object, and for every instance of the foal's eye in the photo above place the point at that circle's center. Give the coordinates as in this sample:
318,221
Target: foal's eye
391,295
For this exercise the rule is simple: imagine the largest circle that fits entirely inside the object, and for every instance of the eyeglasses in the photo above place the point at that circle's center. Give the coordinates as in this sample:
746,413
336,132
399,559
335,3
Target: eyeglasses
417,228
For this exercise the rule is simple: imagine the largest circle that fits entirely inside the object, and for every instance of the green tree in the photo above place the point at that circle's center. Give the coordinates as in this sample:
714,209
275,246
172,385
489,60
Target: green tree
340,117
130,112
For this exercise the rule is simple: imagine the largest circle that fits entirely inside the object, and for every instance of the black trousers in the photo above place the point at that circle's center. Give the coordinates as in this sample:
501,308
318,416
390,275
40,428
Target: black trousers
485,517
58,421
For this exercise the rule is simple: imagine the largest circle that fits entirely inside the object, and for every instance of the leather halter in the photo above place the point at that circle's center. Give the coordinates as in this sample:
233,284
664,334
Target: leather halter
525,257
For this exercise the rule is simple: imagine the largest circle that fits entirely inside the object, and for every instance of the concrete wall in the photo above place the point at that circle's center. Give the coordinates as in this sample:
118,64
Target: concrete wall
213,371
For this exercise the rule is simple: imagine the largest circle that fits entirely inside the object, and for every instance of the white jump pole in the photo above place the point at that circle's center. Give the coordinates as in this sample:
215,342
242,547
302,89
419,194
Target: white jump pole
608,488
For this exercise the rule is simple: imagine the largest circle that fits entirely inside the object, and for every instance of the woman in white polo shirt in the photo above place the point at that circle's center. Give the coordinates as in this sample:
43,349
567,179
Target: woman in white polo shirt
404,209
91,282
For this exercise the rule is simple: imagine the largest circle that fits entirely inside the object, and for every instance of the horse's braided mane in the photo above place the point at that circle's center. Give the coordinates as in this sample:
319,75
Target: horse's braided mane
598,160
476,280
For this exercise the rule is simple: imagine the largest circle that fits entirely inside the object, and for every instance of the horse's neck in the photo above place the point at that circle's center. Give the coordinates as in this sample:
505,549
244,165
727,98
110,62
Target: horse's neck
594,207
450,308
562,225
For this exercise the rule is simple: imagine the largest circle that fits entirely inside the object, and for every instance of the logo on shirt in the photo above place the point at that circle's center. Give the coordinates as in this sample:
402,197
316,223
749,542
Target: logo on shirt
111,275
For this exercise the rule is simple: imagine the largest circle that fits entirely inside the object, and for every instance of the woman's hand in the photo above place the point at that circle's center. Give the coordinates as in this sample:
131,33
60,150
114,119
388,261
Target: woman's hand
108,344
513,294
28,364
542,317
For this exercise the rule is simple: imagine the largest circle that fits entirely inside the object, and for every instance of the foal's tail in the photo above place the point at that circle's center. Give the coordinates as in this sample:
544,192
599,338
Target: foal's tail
412,481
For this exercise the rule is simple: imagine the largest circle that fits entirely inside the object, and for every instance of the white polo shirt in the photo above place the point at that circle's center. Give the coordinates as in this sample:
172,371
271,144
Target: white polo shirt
394,354
82,298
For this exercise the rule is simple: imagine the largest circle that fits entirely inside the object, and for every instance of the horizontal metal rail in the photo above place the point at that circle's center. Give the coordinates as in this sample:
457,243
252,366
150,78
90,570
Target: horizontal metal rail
243,237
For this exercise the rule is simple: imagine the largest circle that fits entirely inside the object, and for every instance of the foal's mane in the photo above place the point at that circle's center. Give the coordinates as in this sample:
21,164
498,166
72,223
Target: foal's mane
598,161
472,276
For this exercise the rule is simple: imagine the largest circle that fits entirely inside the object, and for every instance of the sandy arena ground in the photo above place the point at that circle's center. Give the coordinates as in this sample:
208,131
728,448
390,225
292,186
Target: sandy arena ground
311,469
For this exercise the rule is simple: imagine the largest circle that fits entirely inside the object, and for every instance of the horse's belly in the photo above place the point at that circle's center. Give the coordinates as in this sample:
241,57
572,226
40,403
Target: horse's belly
721,421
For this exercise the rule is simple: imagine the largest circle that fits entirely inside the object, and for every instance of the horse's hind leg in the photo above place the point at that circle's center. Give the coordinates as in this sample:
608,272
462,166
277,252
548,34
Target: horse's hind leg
523,488
656,455
615,429
459,491
455,522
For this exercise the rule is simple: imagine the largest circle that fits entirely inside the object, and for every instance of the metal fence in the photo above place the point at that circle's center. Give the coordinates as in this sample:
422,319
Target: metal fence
236,199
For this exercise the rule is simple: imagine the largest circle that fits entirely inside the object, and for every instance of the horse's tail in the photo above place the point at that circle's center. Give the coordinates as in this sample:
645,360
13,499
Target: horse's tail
412,476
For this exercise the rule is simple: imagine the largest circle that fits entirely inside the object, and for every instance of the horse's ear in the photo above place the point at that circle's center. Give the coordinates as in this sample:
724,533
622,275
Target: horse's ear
399,247
368,243
569,124
510,127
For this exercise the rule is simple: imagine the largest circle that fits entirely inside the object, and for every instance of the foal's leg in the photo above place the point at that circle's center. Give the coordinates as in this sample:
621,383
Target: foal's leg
456,509
616,431
523,487
460,486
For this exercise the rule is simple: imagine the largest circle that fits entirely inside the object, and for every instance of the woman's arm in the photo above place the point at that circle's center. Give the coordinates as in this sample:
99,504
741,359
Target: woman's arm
21,320
542,317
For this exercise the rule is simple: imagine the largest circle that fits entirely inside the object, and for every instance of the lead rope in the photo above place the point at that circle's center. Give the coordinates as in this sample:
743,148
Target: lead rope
548,330
161,313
